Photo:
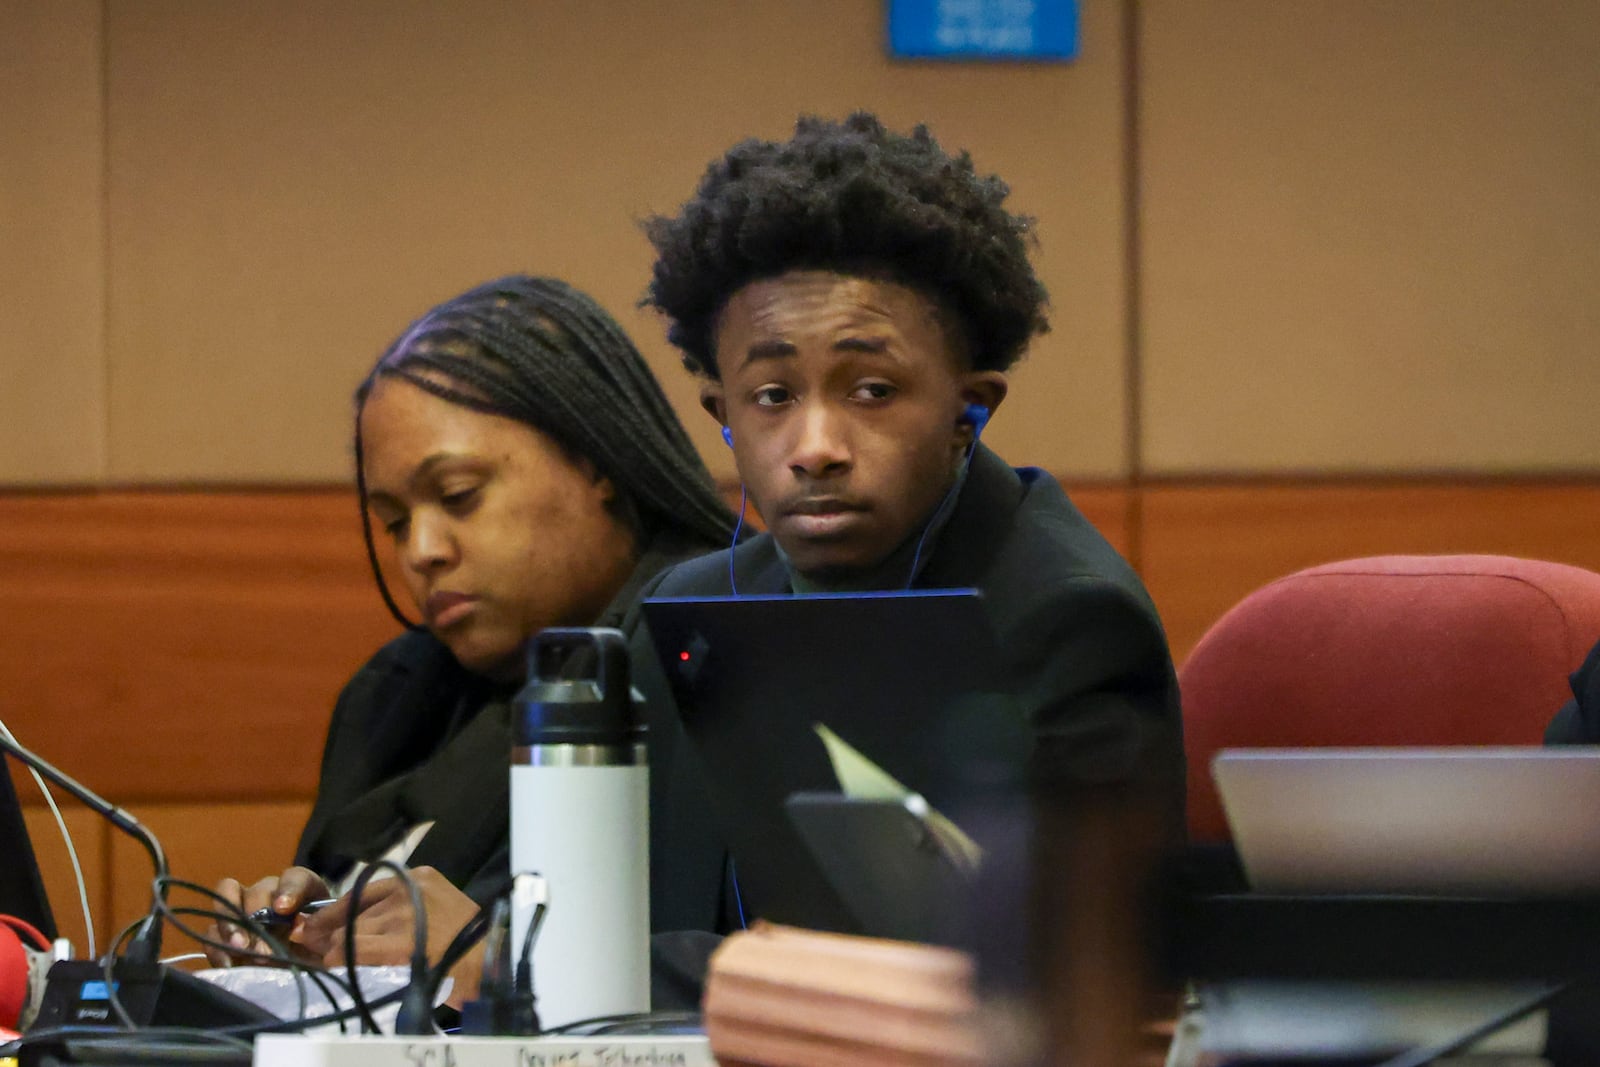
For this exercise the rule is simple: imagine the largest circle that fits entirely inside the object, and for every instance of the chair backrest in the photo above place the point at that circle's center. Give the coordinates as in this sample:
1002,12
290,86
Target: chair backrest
1389,650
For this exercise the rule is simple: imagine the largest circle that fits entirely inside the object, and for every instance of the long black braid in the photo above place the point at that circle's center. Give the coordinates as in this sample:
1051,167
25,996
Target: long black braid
541,352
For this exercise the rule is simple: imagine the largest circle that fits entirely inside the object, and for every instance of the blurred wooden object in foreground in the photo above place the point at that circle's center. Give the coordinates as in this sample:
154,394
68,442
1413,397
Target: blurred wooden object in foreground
781,996
1093,987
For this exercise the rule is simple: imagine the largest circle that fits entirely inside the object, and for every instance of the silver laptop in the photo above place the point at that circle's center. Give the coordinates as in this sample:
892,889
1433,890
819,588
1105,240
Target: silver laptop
1431,821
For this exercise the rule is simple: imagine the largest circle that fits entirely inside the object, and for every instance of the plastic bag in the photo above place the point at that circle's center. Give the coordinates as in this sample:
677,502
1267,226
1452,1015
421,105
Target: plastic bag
278,990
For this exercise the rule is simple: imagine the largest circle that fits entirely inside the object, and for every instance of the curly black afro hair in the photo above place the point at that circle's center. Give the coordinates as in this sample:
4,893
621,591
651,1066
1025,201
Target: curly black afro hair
855,198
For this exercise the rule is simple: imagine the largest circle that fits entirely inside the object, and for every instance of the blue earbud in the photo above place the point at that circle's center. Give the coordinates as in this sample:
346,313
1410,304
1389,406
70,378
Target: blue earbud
727,435
976,416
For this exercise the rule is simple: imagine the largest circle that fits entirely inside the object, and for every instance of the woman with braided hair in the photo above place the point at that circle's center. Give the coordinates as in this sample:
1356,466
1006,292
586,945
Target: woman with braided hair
515,449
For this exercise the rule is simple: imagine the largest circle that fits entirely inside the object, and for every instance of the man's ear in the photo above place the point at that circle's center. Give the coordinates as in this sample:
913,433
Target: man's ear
713,400
984,387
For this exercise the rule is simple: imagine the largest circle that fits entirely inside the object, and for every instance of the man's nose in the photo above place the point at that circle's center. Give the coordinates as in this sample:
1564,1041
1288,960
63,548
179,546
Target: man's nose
822,446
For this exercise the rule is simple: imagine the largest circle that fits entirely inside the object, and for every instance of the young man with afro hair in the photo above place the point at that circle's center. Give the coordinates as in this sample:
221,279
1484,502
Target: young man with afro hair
851,300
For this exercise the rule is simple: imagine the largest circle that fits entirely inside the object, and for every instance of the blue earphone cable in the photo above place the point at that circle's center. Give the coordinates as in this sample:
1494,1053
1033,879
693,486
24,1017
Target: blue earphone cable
738,897
978,417
733,586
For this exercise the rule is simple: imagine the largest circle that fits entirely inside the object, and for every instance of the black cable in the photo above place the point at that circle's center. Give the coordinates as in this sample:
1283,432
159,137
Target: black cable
458,947
148,942
524,1001
98,1050
108,964
280,954
1426,1054
416,1012
237,1031
164,1045
485,1013
610,1024
289,1026
468,936
231,1035
280,951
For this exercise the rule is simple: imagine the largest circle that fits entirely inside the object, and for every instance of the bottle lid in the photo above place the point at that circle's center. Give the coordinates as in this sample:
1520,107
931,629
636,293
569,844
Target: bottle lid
577,691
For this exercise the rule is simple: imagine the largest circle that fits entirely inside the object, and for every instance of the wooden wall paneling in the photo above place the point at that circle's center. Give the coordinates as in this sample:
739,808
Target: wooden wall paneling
171,645
1204,547
204,843
89,837
182,649
52,231
1110,509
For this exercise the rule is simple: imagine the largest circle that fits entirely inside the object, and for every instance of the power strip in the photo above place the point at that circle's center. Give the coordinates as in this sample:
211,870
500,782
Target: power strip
668,1050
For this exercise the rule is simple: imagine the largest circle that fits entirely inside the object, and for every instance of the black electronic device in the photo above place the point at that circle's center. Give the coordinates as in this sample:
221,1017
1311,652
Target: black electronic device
909,679
1210,929
146,944
77,992
21,889
890,862
1208,925
153,994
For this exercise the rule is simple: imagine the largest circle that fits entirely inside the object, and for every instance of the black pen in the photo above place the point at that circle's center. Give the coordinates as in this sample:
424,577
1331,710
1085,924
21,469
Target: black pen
268,917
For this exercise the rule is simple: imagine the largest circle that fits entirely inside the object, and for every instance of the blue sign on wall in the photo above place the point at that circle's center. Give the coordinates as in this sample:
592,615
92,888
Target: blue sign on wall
983,29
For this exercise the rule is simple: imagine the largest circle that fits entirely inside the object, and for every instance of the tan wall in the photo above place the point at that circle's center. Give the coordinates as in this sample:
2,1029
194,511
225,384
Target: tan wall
1368,237
289,183
52,243
1372,235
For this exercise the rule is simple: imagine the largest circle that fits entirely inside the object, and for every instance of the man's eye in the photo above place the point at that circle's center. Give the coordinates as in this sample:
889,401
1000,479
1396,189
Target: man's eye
459,498
395,527
771,396
874,391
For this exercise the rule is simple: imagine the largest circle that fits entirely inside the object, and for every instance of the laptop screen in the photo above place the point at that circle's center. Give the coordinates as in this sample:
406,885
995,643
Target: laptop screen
1475,821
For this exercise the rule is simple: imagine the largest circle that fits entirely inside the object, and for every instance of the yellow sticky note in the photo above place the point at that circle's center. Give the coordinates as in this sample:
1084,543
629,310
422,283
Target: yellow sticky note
861,779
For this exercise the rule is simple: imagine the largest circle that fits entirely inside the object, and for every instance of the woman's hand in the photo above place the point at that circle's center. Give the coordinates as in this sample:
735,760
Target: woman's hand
384,925
284,894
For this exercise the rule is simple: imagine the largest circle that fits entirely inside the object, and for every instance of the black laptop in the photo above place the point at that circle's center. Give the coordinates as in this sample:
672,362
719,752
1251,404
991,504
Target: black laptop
910,679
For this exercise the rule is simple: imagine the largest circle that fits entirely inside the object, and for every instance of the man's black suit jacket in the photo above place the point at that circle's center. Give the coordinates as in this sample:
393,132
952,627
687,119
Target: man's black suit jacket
1078,635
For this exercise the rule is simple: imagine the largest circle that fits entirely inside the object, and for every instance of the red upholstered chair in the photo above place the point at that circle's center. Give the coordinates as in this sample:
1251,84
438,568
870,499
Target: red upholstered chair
1391,650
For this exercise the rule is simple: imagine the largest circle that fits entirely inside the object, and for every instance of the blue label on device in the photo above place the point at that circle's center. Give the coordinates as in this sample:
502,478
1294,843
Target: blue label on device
984,29
94,991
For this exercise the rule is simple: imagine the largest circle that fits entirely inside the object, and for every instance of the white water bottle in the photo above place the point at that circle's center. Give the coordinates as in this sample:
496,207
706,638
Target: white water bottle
580,818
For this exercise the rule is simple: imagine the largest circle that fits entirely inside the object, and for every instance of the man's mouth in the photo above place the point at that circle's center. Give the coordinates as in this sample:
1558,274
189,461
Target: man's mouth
821,517
820,505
